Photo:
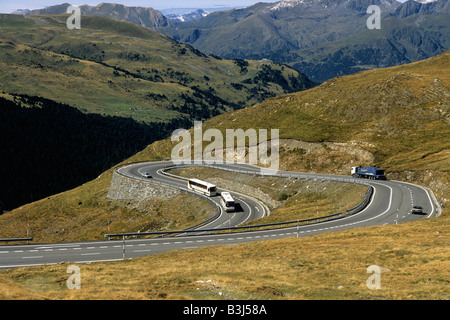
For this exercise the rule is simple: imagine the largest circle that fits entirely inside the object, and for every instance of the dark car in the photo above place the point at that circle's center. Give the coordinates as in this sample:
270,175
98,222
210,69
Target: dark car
417,210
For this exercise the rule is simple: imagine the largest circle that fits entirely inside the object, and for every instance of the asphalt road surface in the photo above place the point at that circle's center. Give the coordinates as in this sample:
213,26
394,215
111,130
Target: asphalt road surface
391,202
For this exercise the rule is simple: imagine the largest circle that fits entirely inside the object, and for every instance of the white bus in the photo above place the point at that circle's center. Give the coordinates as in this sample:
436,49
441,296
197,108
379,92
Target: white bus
227,201
202,186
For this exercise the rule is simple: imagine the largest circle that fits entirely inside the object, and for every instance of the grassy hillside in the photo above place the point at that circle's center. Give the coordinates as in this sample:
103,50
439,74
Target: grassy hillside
398,115
112,69
396,118
146,17
273,30
329,266
118,68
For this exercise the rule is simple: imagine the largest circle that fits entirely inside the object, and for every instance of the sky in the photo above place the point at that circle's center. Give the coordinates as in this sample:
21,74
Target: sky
8,6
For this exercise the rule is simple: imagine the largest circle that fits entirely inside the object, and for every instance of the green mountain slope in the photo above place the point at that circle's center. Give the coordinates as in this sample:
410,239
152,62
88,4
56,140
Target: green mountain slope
271,30
399,116
321,38
117,68
142,16
118,74
399,41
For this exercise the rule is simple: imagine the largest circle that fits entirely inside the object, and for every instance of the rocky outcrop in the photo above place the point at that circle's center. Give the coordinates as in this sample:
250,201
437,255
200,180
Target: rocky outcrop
124,188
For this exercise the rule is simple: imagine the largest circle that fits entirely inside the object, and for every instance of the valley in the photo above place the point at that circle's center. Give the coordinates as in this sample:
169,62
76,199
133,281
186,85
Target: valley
321,38
116,73
120,69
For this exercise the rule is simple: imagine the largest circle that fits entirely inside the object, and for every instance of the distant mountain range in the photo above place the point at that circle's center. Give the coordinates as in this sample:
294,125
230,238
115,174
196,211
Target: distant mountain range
410,33
143,16
189,16
321,38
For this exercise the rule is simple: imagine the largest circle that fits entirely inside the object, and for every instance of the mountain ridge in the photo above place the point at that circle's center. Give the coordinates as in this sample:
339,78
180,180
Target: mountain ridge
290,31
143,16
135,71
312,33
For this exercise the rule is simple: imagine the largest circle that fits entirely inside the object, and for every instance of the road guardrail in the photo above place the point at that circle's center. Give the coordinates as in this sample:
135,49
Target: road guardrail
285,224
16,239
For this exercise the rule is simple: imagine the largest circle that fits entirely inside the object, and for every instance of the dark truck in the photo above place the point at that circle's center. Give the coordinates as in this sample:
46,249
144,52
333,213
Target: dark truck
368,173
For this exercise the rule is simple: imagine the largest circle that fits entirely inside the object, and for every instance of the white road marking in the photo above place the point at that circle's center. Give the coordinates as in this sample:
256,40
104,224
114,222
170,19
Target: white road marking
64,247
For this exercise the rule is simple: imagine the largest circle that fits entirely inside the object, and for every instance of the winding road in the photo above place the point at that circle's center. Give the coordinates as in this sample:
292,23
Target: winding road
390,203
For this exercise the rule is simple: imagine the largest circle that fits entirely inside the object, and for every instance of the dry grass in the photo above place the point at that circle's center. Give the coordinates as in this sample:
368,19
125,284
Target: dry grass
85,213
326,266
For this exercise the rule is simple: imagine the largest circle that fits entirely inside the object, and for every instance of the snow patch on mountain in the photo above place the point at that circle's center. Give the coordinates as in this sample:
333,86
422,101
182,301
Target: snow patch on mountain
190,16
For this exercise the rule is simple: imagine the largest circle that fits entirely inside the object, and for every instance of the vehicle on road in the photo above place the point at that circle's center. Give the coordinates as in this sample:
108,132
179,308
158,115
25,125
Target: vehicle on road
368,173
227,201
417,210
203,187
146,175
